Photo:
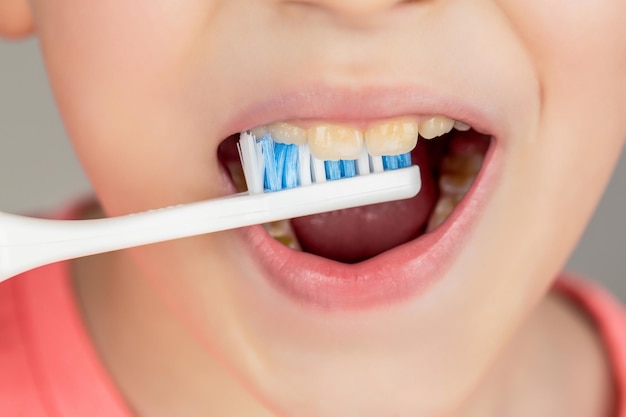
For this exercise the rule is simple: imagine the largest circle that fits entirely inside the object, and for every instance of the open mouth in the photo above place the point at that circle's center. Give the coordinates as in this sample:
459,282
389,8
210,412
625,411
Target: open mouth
372,256
450,155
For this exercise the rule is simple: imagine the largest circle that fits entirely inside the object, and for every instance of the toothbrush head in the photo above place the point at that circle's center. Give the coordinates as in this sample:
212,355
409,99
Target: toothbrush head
272,166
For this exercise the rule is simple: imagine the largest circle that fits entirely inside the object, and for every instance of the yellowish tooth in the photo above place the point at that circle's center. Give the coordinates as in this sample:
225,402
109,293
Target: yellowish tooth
466,164
332,142
283,232
455,184
445,205
458,173
435,126
259,131
463,127
391,138
287,133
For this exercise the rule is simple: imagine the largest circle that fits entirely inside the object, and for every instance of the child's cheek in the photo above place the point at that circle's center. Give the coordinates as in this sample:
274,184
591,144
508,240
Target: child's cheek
579,52
571,32
117,68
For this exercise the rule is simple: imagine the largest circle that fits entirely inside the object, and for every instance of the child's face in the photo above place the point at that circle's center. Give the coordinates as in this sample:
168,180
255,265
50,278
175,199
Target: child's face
148,91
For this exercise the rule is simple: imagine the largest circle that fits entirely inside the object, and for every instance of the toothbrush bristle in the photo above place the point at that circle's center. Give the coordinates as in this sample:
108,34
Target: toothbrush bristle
333,170
348,169
272,166
396,161
281,164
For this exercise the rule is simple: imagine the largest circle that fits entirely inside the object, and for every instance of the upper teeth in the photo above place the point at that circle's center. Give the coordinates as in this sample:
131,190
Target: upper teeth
287,133
334,142
463,127
435,126
391,138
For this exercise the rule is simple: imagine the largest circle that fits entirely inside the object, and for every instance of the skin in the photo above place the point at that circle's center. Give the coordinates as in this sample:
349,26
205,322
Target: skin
146,90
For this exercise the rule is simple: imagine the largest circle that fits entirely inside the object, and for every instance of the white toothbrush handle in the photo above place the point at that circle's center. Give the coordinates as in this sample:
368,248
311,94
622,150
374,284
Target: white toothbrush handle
26,243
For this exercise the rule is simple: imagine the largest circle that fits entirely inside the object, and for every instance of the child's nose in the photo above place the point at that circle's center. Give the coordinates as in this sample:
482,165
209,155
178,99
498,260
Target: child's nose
353,10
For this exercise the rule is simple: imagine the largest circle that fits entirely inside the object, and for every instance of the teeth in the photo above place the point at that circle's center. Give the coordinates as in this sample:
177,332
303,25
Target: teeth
391,138
287,133
259,132
451,184
458,172
332,142
461,126
283,232
435,126
463,164
443,208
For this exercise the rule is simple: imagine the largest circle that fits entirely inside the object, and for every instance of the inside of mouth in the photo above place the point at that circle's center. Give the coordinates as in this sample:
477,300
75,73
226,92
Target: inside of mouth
448,164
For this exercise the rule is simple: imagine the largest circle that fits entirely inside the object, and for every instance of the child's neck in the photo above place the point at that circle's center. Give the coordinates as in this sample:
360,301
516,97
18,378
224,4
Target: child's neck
555,364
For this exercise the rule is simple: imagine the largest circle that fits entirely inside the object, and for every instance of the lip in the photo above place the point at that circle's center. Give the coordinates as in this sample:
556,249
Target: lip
398,274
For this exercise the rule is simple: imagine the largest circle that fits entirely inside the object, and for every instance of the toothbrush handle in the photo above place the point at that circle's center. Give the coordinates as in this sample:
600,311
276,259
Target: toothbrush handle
26,243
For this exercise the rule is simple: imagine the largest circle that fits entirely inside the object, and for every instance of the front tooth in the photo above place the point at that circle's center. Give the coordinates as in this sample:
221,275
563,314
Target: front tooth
435,126
391,138
287,133
331,142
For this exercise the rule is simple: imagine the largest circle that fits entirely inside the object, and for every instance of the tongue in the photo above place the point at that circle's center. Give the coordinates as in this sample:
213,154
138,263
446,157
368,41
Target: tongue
356,234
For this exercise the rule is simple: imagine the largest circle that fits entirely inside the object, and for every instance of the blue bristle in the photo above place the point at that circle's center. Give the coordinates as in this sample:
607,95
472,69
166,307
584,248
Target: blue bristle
390,162
396,161
348,169
272,179
280,154
333,170
404,160
281,164
290,169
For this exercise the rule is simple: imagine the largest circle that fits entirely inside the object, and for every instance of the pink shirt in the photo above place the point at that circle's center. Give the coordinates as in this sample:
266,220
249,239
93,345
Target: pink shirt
48,366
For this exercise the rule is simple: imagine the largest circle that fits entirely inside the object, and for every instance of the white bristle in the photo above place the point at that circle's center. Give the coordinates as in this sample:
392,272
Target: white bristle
304,163
363,163
376,164
318,170
252,162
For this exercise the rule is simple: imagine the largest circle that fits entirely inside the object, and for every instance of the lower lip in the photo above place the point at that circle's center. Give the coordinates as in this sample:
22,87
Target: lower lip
402,273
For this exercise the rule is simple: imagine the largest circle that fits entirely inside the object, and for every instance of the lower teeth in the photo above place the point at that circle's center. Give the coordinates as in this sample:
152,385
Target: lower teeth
283,232
458,172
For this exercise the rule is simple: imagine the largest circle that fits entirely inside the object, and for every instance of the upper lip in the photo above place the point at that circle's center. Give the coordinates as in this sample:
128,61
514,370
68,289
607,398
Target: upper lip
358,104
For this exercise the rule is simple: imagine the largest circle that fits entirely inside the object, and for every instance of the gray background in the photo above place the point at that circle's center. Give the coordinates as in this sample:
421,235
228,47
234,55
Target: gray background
38,170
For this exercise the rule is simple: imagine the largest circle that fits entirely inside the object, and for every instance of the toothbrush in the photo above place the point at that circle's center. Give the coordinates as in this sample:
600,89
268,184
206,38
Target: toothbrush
303,185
